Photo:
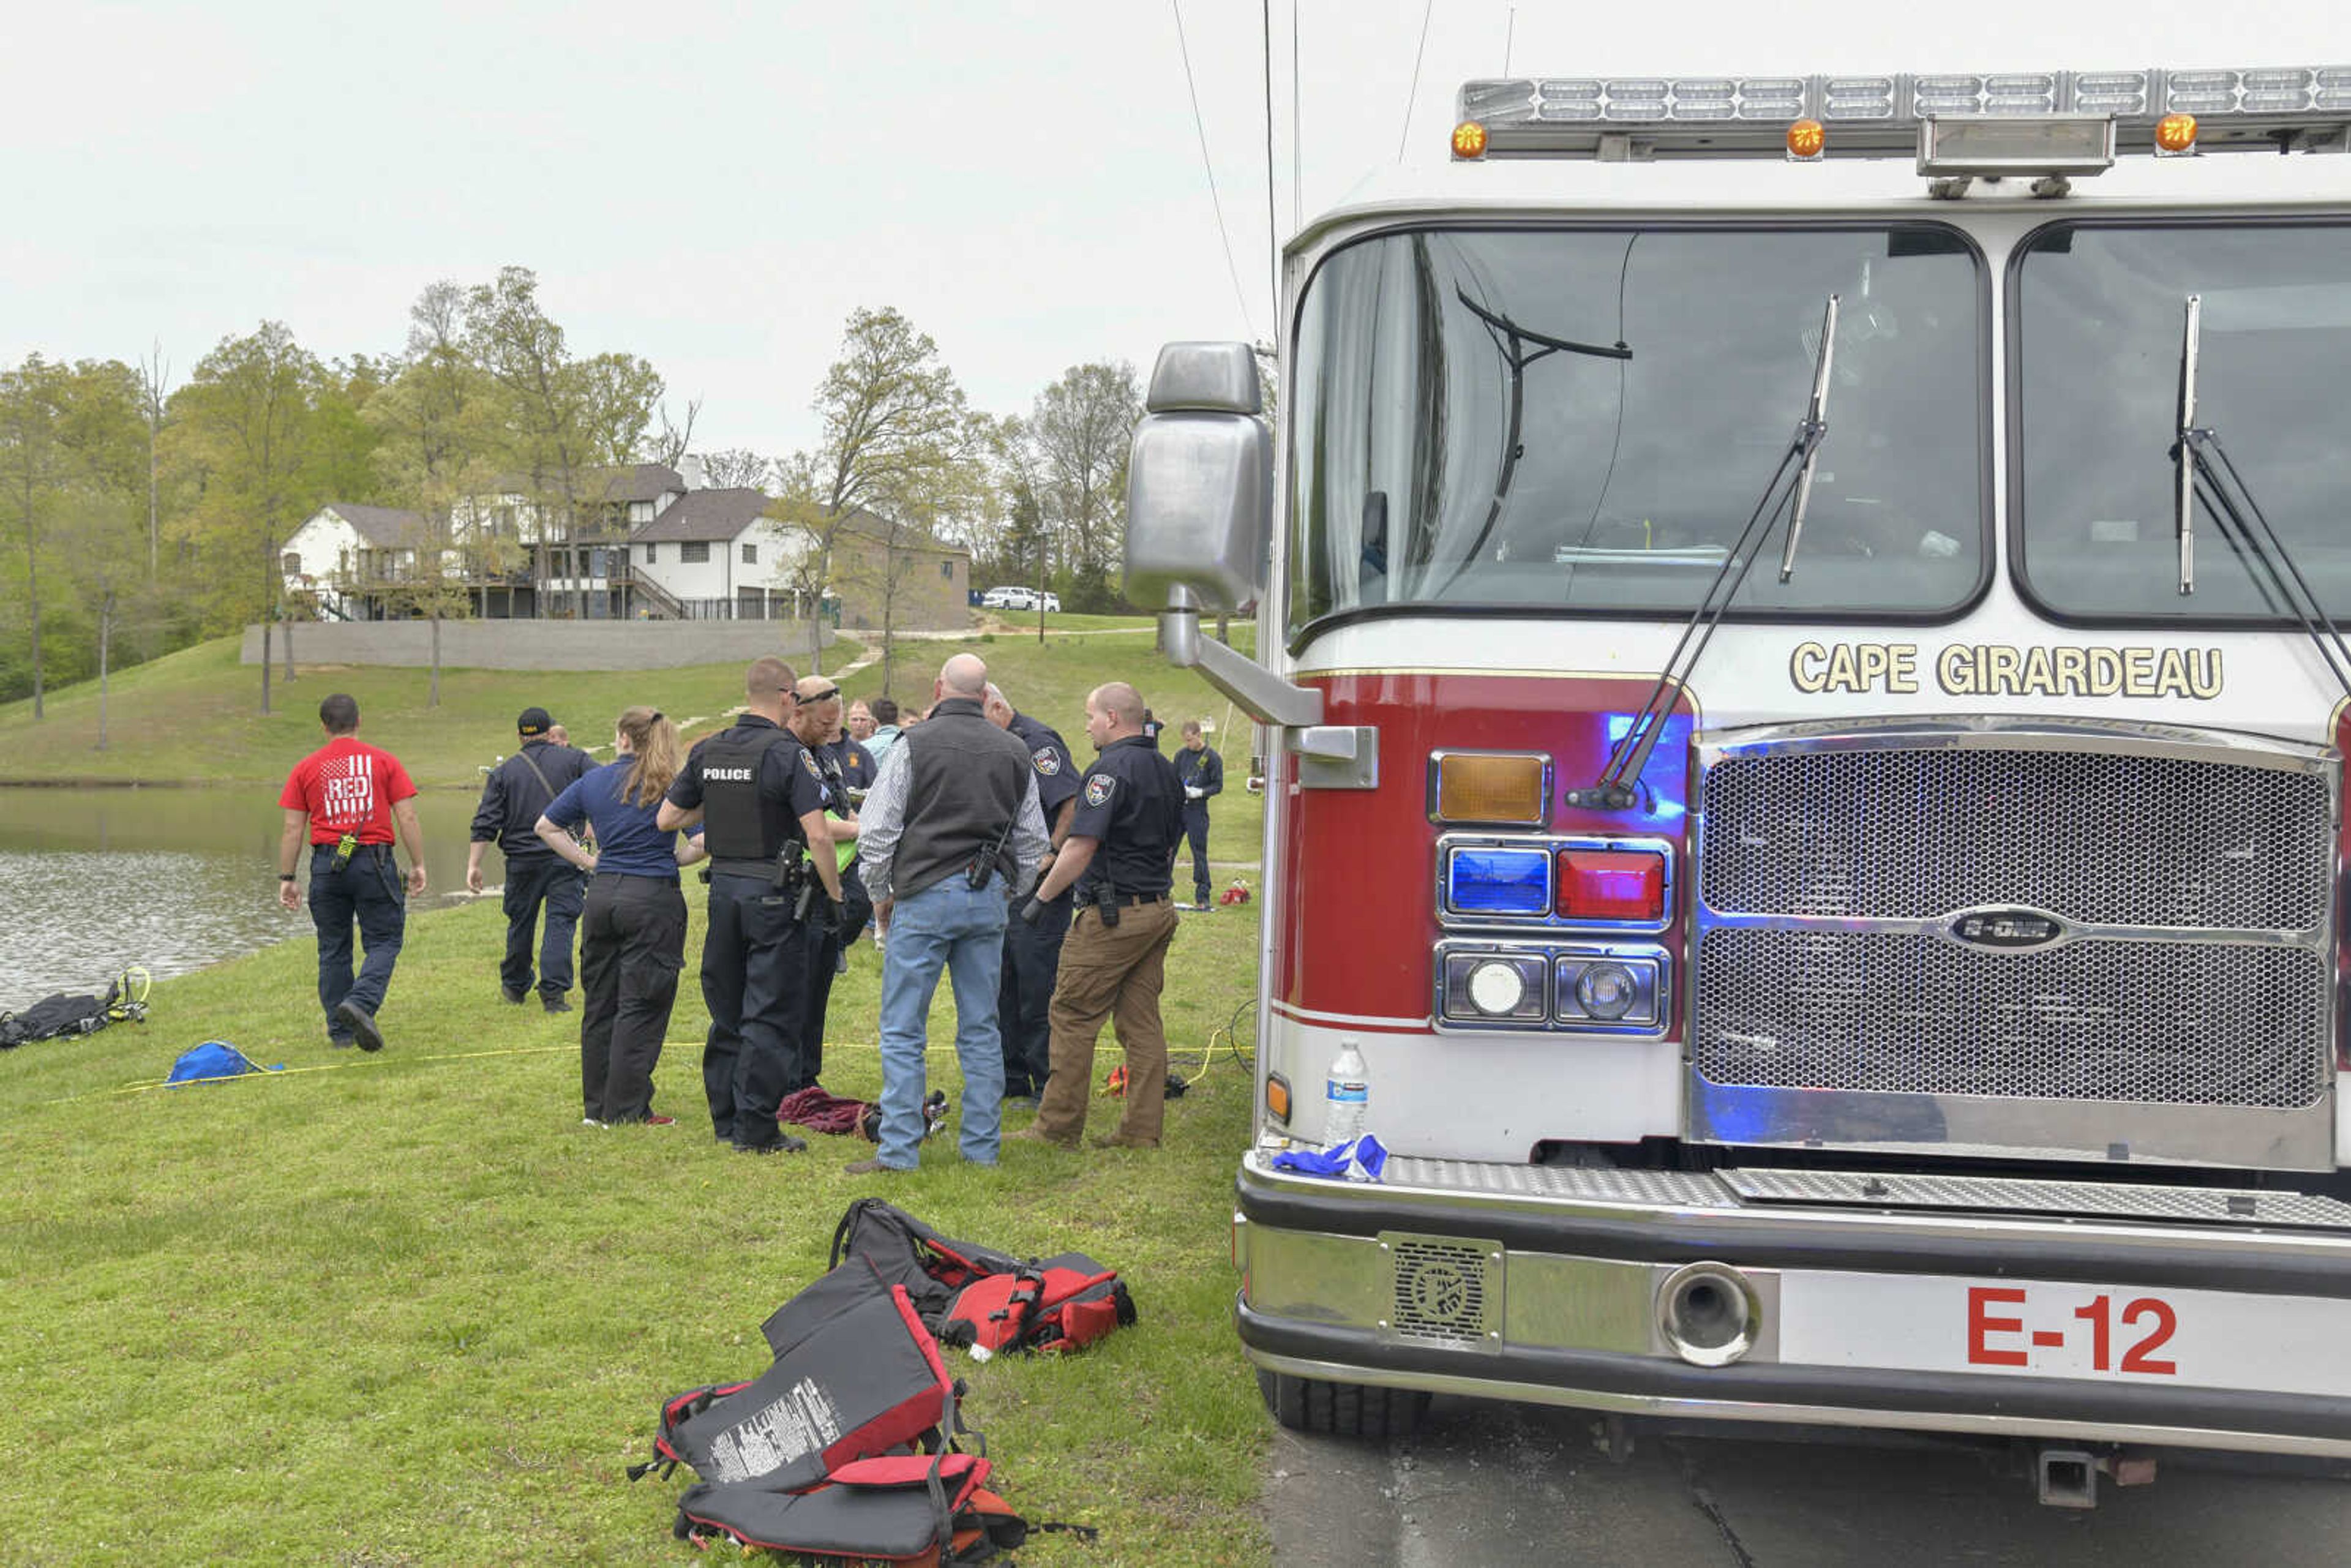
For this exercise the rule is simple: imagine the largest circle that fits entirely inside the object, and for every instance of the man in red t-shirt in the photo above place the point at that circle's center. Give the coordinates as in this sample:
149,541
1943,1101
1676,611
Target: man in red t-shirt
347,797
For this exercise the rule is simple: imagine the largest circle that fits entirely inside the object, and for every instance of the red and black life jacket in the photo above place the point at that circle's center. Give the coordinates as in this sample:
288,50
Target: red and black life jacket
1056,1304
981,1299
922,1510
856,1375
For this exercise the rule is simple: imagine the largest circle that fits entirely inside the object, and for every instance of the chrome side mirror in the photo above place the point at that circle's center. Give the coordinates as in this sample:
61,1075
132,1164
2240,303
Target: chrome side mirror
1199,482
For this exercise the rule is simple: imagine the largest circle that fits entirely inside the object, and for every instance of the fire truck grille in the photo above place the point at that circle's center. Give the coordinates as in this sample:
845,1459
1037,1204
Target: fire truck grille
2098,838
2147,1021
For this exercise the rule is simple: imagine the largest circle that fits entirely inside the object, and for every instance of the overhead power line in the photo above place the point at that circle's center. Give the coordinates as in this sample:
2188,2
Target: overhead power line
1272,238
1414,91
1216,201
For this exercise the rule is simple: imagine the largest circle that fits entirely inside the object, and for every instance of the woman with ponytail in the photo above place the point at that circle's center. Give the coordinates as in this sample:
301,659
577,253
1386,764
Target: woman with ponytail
632,930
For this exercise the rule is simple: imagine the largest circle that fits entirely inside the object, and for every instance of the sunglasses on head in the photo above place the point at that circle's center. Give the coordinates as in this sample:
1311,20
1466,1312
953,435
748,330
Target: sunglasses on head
825,696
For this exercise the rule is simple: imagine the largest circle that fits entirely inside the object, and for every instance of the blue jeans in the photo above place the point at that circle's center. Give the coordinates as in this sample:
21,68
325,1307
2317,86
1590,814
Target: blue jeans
946,925
367,890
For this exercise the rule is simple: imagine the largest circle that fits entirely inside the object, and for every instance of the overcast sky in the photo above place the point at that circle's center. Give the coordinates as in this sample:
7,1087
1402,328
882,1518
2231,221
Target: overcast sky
716,187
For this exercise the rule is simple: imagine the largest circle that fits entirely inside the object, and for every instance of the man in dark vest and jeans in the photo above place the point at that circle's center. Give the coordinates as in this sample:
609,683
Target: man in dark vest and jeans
518,790
950,831
760,798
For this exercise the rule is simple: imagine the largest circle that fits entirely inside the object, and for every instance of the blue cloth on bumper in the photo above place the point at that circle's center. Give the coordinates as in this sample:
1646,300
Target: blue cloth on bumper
1357,1159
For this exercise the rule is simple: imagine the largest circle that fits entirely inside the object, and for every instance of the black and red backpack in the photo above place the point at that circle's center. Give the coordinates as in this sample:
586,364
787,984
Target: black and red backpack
980,1298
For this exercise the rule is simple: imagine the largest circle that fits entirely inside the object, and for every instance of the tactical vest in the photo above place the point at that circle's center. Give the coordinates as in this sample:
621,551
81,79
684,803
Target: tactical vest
742,838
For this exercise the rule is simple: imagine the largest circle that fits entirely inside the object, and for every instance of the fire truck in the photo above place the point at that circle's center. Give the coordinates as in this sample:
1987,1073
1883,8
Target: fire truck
1796,644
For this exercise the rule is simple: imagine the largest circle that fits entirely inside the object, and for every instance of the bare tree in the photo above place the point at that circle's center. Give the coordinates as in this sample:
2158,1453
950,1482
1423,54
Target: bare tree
154,390
736,467
670,447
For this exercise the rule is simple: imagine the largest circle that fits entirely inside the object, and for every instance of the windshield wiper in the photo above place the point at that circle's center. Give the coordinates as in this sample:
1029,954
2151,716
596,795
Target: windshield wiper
1511,340
2204,469
1618,786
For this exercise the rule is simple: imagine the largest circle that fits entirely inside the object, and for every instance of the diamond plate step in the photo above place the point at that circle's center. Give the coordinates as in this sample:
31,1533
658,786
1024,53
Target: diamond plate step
2228,1205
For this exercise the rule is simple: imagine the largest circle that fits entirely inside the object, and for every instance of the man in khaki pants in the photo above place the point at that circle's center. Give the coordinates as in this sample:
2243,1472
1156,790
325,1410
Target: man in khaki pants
1119,854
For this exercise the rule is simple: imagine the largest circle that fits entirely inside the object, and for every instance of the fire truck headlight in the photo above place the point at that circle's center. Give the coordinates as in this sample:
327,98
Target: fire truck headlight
1489,986
1497,988
1611,989
1607,991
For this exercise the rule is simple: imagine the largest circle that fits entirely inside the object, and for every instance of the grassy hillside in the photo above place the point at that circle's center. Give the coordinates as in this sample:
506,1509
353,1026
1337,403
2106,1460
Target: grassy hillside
405,1308
191,718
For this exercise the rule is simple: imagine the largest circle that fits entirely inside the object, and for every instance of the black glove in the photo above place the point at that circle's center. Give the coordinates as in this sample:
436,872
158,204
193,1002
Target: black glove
1033,910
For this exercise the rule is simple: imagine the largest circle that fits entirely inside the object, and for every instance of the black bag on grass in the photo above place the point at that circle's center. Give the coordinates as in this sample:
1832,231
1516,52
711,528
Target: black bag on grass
856,1375
906,1251
921,1510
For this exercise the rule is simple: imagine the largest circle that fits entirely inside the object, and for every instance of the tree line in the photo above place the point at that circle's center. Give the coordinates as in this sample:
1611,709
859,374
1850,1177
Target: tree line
146,513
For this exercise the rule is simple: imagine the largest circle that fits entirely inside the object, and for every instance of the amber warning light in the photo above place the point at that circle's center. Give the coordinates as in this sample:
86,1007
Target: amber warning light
1469,140
2175,132
1476,786
1806,139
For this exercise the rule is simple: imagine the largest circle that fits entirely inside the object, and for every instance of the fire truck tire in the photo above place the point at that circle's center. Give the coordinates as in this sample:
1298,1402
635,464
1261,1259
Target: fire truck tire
1342,1409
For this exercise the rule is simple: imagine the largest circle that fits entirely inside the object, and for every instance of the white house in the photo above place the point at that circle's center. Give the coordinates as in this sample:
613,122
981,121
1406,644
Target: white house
351,559
711,555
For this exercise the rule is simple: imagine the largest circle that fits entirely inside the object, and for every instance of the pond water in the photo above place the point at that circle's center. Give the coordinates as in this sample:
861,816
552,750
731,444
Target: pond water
92,881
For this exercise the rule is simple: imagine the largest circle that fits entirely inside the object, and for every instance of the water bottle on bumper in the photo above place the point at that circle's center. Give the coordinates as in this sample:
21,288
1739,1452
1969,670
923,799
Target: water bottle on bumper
1346,1096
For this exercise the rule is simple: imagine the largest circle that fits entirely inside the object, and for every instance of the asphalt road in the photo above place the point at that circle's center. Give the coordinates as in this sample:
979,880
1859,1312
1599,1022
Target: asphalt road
1508,1484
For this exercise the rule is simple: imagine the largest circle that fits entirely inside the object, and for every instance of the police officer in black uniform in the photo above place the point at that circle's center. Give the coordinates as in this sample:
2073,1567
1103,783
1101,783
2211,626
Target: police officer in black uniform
516,792
761,798
816,724
857,769
1119,855
1032,953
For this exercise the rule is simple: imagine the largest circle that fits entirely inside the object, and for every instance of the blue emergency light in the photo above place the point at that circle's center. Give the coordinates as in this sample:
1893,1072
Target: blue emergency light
1496,880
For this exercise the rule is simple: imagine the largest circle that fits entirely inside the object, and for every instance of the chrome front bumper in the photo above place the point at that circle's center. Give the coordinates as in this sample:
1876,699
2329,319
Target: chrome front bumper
1543,1284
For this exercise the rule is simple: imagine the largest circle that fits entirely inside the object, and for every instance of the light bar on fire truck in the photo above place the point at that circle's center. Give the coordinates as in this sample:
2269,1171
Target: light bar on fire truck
2267,109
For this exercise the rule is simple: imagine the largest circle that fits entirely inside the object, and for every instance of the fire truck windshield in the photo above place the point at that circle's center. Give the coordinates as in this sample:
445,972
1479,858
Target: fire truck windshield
1581,419
2096,351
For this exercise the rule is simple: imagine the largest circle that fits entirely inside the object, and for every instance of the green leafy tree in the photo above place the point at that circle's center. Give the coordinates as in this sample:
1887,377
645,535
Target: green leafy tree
562,420
247,422
898,434
69,453
438,434
1081,429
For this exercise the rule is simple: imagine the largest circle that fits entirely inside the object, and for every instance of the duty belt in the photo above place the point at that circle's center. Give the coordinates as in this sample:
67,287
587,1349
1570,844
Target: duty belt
763,869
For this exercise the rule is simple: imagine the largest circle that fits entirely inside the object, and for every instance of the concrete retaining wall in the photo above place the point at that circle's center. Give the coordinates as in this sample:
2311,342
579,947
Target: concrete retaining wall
538,644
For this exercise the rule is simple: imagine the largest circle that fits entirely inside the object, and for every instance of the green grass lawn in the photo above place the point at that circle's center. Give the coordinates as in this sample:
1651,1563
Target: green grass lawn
406,1309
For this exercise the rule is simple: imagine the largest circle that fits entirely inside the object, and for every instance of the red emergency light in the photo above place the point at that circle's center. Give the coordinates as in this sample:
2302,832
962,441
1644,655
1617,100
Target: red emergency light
1611,885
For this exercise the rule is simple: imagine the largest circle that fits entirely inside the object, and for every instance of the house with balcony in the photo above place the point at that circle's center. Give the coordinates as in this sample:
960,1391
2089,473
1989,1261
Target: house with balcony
354,562
641,542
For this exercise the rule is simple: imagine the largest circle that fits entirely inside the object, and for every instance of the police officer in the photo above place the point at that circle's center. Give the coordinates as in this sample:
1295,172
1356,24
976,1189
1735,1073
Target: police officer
816,724
1202,773
761,798
858,768
517,790
1032,953
1119,855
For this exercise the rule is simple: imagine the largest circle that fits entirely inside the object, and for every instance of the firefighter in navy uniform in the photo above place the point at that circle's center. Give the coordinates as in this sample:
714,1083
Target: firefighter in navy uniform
1032,953
760,798
1119,855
